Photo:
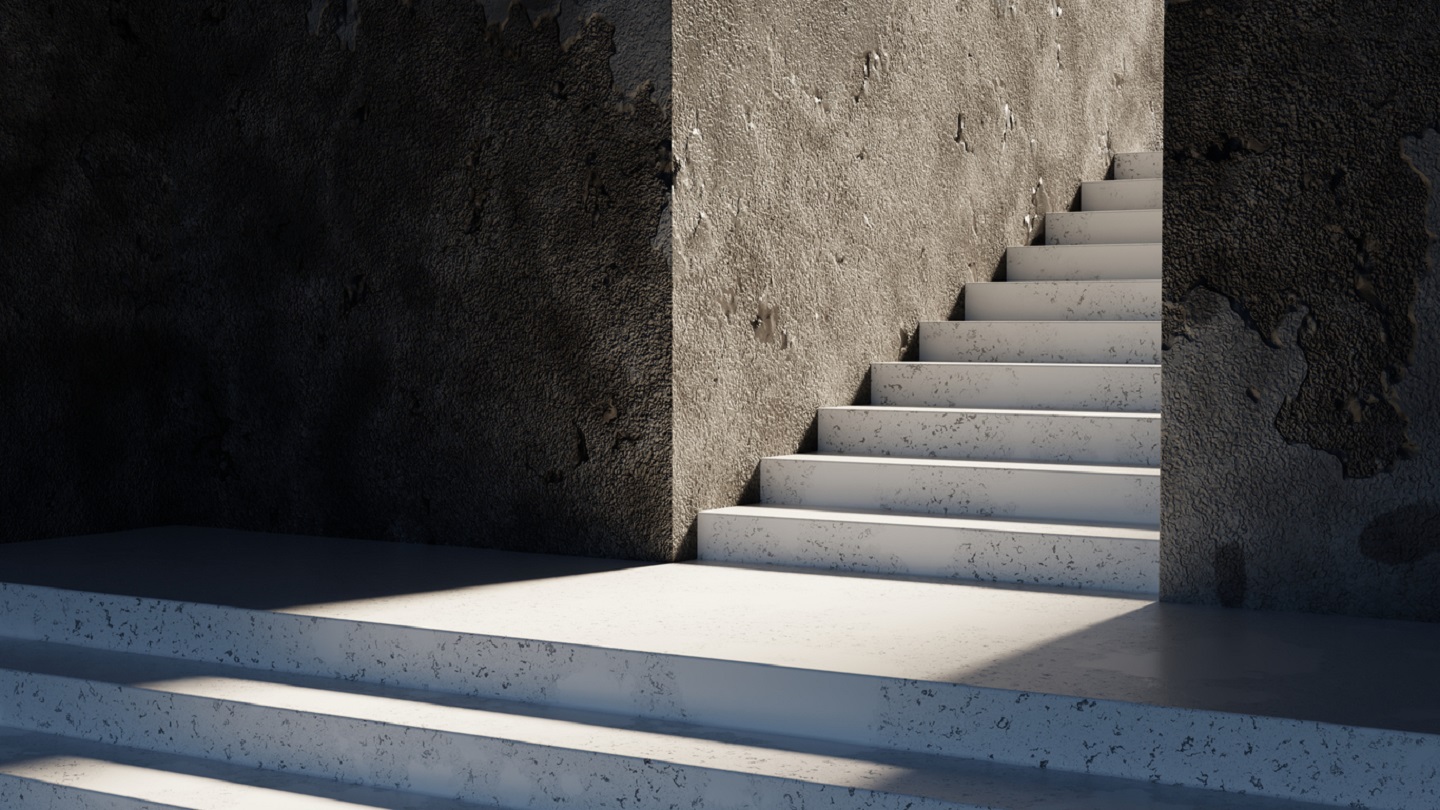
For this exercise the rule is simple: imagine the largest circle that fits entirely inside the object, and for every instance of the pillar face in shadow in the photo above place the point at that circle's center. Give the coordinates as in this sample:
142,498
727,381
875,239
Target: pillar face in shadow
1302,378
844,169
384,270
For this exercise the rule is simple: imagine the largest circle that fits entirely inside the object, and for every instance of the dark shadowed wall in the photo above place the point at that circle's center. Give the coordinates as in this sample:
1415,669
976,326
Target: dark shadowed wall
372,269
844,168
1302,320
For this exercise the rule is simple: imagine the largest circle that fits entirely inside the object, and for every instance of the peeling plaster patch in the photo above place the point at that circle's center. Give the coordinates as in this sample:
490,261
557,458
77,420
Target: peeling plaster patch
317,14
350,29
642,35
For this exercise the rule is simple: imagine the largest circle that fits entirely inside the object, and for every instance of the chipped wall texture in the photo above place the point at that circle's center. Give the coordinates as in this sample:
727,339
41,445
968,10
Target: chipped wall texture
1302,362
844,168
365,268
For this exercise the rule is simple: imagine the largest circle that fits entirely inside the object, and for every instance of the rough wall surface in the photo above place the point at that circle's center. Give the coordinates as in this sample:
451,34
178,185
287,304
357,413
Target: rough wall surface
371,268
1302,368
844,168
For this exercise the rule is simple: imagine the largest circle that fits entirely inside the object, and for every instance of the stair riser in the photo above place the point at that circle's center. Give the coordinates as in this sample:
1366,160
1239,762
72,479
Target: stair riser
1083,262
468,766
962,491
1121,195
1051,560
1254,754
1139,165
1102,227
990,436
1131,389
1040,342
1063,301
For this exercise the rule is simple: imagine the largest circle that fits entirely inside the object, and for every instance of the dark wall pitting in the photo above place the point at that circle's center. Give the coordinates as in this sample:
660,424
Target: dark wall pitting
382,270
1302,450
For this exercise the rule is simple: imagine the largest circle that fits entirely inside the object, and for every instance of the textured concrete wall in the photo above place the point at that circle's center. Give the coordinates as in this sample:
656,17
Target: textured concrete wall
844,168
1302,368
353,267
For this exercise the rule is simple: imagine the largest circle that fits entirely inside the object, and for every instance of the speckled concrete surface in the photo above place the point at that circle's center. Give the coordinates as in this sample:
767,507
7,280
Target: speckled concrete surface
992,435
1040,342
1133,387
1107,558
1102,227
1109,342
1013,489
1122,195
1024,676
49,772
1128,300
1076,262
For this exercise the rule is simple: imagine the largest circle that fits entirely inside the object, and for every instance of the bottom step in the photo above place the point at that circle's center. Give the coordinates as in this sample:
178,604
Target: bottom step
45,772
1110,558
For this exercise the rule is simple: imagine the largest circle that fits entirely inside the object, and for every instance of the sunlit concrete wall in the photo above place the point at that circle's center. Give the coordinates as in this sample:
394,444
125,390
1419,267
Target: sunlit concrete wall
842,169
349,267
1302,368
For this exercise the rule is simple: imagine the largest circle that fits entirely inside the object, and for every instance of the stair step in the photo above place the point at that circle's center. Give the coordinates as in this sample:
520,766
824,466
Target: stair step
1082,262
1088,437
1129,300
982,489
1040,341
523,756
49,771
1108,558
1131,388
1139,165
1042,679
1102,227
1121,195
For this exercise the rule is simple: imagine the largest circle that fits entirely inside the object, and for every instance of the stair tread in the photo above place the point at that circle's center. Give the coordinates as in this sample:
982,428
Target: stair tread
1011,411
1021,365
1068,467
960,782
921,631
1076,529
170,780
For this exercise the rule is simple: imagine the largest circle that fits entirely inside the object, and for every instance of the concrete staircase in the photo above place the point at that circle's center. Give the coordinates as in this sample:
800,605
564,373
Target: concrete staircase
197,668
1023,447
206,669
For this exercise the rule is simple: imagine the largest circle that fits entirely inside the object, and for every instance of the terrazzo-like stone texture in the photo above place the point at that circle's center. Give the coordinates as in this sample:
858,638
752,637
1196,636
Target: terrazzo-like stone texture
1051,555
1129,300
1139,165
1124,495
1133,388
915,663
1108,342
1082,262
1121,195
1102,227
992,435
1303,368
48,772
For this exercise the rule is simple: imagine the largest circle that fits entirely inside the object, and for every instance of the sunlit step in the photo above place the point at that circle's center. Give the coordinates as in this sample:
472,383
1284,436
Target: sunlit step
1102,227
992,435
1131,300
60,773
1120,195
1131,387
1040,341
982,489
1108,558
1139,165
1082,262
